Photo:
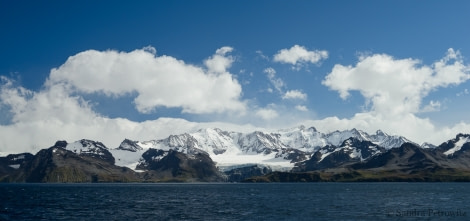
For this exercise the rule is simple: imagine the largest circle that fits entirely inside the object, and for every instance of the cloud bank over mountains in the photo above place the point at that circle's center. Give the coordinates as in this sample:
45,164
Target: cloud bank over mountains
393,89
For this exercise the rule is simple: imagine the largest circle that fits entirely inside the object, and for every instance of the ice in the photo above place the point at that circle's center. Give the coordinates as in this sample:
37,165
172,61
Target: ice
15,166
20,157
458,145
125,158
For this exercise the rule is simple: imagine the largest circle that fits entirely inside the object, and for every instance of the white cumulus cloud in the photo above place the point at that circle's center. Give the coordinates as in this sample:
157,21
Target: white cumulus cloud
295,94
219,63
396,86
300,55
156,80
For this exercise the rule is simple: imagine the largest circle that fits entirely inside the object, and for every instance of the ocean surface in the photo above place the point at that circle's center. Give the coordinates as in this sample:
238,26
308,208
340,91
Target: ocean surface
207,201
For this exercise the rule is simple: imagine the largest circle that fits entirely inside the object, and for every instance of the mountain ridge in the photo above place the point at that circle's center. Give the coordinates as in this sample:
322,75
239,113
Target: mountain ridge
212,154
270,148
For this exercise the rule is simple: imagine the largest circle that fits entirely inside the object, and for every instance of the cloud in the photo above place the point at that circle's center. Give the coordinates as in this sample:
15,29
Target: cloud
396,86
295,94
267,113
55,104
298,55
150,50
432,107
156,80
301,108
276,82
219,63
394,89
464,92
261,55
279,85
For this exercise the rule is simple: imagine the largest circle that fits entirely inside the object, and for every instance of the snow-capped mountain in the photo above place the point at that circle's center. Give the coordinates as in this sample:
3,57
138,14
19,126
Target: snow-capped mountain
279,150
352,150
86,147
379,138
427,145
216,155
310,139
304,139
129,145
387,141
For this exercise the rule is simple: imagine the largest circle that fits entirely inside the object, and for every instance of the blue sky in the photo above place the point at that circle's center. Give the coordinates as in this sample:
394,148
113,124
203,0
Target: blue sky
280,64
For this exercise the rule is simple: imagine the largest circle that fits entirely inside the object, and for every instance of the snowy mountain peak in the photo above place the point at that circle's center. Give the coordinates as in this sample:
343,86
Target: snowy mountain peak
129,145
427,145
380,133
337,137
87,147
259,142
361,134
462,136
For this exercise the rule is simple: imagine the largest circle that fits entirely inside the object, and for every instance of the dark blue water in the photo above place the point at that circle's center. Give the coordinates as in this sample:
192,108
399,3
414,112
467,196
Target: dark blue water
275,201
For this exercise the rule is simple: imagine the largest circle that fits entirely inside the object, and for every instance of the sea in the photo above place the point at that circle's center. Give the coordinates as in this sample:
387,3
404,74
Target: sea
236,201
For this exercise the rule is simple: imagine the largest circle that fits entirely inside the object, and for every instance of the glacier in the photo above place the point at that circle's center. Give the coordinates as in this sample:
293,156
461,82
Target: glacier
278,150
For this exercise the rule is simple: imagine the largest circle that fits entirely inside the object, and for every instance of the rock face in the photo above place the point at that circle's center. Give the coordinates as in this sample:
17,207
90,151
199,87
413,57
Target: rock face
449,161
13,162
57,164
407,158
129,145
243,173
456,147
176,166
352,150
410,157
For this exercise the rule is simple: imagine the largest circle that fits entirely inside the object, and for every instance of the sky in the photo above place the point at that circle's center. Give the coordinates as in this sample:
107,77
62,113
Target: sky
110,70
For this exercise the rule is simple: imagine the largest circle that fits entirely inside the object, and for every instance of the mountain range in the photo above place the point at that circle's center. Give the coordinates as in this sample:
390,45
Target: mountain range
214,155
